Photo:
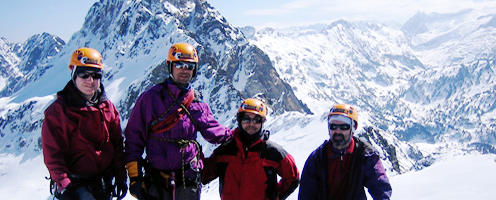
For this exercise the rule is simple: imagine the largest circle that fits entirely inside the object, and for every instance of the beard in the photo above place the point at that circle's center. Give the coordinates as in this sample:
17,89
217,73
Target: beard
251,129
339,139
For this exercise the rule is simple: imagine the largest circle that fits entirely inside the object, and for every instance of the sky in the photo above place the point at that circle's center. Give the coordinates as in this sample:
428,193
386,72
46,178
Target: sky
22,19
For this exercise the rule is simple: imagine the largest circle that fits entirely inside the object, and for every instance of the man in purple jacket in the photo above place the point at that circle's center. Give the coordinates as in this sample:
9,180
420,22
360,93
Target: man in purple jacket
164,121
340,168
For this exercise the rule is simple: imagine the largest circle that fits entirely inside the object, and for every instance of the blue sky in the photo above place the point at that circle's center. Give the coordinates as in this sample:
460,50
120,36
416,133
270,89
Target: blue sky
24,18
20,19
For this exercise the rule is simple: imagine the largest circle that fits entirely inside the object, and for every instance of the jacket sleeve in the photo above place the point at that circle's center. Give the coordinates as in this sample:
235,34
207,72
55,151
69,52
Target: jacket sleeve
115,133
376,179
55,142
136,130
210,128
309,183
290,176
209,171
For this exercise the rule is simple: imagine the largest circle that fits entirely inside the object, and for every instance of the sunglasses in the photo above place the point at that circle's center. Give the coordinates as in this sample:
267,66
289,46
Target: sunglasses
85,75
343,127
184,65
256,120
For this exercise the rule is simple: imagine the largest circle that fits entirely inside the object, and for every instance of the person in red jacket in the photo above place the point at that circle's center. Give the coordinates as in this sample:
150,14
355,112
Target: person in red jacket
248,164
81,135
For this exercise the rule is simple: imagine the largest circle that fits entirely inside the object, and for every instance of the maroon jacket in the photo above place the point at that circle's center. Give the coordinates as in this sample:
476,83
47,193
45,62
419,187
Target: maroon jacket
250,173
81,138
359,168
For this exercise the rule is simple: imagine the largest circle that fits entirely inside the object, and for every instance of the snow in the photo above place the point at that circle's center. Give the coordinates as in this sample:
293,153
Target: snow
463,177
3,82
315,61
113,90
457,178
26,178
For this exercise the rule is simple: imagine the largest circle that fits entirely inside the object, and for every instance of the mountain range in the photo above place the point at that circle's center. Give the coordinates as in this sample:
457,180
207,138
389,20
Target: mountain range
422,90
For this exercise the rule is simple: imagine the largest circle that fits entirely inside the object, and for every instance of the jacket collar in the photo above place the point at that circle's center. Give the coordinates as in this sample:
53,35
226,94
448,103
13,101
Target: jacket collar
74,98
179,86
239,140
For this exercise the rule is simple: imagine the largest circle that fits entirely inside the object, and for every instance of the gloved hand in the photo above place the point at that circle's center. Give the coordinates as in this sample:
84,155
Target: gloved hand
120,189
63,184
137,187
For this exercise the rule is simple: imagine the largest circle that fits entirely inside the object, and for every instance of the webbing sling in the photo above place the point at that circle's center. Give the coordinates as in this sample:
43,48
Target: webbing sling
166,121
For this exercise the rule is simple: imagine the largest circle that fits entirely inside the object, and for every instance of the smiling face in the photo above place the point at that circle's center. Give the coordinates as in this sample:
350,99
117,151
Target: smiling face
182,75
251,123
88,85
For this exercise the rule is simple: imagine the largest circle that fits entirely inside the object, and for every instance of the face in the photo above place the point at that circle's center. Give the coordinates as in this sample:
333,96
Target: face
182,72
251,123
340,138
88,83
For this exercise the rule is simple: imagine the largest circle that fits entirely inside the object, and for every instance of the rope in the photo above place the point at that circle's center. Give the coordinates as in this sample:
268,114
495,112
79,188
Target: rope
183,143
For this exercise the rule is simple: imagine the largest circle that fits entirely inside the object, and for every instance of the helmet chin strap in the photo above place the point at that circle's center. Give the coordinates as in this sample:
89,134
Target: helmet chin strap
73,71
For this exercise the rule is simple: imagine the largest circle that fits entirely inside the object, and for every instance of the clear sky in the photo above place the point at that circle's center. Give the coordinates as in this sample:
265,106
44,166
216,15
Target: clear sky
21,19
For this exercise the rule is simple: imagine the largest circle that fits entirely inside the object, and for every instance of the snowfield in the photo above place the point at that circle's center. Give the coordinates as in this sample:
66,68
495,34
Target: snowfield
458,178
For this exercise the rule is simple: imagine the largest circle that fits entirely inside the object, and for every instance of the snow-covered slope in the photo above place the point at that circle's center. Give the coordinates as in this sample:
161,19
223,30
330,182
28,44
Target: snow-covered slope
134,37
22,63
398,88
420,93
457,177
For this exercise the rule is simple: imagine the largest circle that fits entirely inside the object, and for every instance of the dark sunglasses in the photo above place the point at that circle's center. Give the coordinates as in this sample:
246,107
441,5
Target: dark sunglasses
85,75
184,65
256,120
343,127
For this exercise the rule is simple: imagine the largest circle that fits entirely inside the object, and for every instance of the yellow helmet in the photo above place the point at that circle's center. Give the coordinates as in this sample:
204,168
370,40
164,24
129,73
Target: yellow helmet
255,106
86,57
344,110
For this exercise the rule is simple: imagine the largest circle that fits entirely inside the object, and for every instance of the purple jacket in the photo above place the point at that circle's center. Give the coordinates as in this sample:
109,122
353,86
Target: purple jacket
161,153
314,184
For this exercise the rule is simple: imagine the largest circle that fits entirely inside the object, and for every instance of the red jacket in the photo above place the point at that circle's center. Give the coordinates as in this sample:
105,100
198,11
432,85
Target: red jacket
81,139
251,173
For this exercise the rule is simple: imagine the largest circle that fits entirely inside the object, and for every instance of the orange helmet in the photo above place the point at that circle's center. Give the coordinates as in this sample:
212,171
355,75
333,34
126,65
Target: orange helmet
182,52
255,106
86,57
344,110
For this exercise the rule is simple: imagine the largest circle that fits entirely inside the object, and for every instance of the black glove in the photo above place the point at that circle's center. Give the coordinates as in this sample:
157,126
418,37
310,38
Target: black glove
120,189
137,188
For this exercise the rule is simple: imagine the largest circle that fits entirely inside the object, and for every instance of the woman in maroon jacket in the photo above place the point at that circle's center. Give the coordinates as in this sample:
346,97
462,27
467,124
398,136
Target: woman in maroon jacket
81,135
248,165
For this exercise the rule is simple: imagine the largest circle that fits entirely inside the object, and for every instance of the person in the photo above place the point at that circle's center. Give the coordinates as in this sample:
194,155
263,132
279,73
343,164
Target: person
81,136
342,166
248,164
165,121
